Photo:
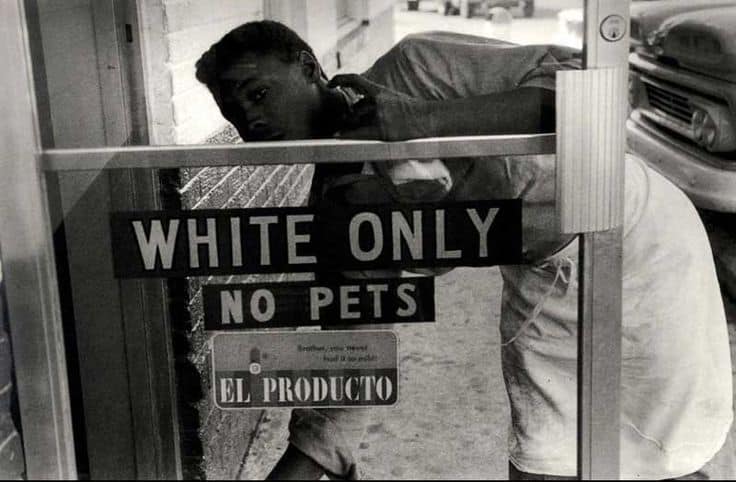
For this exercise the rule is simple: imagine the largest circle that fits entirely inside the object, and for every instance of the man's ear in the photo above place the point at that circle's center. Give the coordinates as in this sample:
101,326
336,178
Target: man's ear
310,67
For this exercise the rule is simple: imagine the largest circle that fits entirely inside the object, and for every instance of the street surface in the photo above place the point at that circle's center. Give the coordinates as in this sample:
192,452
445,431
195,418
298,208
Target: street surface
451,421
540,29
721,229
452,416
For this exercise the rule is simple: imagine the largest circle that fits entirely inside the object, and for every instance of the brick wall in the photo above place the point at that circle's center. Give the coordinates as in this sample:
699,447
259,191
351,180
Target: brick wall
225,435
181,111
12,463
176,32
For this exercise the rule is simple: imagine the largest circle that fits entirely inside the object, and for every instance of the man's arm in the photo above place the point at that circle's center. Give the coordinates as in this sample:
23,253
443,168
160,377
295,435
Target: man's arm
295,465
387,115
526,110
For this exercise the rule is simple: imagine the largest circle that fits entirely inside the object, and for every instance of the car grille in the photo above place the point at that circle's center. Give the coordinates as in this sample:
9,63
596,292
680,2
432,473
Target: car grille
669,103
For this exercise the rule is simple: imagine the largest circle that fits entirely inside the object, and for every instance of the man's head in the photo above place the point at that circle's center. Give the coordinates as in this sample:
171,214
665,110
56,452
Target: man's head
267,82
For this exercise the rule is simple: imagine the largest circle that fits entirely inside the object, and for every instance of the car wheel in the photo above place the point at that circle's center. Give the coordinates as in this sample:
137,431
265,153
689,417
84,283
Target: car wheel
528,8
483,10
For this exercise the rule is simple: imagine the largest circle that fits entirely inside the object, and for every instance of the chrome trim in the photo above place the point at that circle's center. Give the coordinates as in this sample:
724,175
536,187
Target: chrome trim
29,268
707,182
691,150
694,97
669,121
685,78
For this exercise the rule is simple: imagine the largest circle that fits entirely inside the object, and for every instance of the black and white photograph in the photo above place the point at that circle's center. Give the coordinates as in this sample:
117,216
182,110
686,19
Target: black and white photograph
367,239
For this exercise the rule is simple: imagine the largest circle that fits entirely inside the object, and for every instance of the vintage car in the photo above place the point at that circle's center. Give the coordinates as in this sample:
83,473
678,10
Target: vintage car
682,92
469,8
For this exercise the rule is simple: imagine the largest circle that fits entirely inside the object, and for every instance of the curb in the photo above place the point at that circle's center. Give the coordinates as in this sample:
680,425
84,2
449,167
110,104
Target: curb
726,270
722,233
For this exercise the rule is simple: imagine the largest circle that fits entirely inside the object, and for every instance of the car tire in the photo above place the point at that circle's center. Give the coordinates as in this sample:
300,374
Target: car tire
527,7
482,10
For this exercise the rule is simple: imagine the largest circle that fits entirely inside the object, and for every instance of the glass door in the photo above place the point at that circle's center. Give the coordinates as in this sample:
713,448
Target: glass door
116,126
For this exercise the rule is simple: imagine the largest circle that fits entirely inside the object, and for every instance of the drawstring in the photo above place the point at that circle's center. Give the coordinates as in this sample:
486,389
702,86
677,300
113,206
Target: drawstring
560,274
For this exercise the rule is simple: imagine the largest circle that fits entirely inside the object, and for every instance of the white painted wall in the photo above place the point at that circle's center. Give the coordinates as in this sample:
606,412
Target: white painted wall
176,32
321,18
68,37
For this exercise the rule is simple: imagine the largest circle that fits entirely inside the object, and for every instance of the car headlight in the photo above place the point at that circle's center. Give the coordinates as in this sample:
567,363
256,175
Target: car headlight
704,129
713,129
634,92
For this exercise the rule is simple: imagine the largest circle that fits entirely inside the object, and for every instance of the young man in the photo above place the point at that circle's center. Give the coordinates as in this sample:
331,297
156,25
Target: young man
676,369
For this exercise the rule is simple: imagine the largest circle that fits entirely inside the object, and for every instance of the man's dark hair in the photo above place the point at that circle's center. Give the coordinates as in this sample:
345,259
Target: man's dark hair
264,37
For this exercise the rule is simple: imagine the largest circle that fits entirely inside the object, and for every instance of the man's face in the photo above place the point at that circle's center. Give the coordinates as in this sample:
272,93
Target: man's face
266,98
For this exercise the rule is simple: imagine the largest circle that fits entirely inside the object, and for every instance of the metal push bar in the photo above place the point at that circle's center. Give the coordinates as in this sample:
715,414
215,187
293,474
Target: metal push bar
291,152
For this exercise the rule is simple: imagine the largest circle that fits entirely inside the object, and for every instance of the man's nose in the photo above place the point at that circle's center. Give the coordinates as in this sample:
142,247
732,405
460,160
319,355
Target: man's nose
253,115
257,124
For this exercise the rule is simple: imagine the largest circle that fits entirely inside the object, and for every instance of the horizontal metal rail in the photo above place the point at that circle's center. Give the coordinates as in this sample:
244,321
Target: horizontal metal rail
291,152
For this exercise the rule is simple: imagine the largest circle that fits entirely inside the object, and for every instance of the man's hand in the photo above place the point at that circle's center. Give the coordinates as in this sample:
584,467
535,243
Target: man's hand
295,465
382,114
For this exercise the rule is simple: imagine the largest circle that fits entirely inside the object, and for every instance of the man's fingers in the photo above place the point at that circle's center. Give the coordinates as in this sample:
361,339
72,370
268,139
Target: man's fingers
347,80
364,133
354,81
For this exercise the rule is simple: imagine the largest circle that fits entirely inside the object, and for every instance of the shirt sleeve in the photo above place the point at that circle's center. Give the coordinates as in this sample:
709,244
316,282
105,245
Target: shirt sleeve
543,73
328,436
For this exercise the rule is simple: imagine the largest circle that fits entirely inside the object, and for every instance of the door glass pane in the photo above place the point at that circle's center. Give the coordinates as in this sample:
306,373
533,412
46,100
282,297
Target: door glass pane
450,367
491,379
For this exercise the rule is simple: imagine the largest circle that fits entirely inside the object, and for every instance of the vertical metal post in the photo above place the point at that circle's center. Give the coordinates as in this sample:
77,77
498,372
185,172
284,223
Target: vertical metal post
129,425
599,355
28,265
600,298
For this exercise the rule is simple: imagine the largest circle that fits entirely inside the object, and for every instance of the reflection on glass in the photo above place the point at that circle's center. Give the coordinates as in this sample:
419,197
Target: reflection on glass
466,387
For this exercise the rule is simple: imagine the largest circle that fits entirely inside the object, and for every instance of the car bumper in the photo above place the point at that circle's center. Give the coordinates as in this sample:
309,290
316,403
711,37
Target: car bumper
696,173
490,3
503,3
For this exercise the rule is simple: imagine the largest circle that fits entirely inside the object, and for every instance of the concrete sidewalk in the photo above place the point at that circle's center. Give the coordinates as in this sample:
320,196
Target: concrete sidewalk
452,417
721,228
